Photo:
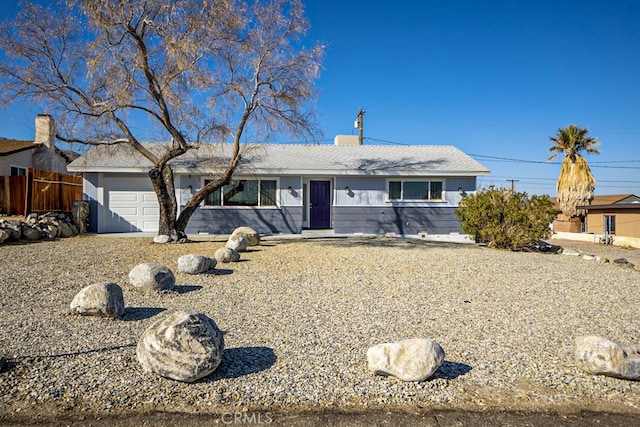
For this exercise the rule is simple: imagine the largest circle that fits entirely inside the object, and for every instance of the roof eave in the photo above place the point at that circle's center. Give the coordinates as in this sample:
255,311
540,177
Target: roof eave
18,150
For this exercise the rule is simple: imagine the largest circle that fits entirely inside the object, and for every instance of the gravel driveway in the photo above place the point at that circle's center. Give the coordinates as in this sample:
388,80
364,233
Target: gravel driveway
299,317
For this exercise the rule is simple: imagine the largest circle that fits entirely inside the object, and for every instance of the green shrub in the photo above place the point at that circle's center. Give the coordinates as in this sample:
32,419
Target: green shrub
506,219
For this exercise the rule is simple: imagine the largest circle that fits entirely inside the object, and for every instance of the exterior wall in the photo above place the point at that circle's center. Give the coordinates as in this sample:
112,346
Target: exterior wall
363,210
22,159
265,220
372,191
401,220
627,222
91,187
48,160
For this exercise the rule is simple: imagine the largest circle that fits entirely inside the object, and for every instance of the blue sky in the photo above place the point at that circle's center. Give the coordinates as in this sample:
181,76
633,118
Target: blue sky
494,78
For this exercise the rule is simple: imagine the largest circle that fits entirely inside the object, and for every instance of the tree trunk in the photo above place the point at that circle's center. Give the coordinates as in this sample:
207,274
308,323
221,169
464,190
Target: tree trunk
163,186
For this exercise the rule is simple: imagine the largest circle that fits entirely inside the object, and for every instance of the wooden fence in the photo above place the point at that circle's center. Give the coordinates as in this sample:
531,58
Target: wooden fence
39,192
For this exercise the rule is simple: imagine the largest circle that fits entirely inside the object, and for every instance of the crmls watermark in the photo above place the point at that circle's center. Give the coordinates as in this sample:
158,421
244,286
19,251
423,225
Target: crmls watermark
247,418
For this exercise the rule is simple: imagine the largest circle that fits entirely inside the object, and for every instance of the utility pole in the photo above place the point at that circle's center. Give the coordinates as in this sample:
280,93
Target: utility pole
360,123
513,184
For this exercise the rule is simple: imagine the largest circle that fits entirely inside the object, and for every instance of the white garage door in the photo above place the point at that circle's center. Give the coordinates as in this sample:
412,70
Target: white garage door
132,205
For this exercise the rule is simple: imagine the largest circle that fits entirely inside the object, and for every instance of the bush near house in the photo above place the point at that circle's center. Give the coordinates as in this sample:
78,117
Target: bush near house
506,219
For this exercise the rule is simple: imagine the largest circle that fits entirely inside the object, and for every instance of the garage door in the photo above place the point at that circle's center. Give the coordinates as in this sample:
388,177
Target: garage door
132,205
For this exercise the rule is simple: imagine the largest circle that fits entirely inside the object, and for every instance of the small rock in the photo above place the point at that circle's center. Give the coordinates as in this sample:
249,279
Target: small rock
588,257
409,360
152,277
227,255
572,252
161,238
30,233
623,262
185,346
14,231
99,299
252,236
3,236
54,230
238,243
65,230
195,264
601,356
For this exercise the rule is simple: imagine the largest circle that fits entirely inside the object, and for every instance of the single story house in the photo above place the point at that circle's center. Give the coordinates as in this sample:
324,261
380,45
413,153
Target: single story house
615,214
285,188
17,156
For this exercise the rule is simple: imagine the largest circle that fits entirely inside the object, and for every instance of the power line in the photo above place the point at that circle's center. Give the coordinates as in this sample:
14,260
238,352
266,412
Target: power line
506,159
555,179
385,141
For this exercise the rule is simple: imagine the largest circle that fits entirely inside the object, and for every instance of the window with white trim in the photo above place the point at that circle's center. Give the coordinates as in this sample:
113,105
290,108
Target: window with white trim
18,171
244,192
412,190
610,224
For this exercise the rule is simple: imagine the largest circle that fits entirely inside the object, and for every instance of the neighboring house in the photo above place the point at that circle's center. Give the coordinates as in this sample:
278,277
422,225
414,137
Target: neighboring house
285,188
617,215
41,153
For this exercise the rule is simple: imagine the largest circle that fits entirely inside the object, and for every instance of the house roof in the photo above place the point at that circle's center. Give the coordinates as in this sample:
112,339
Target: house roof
293,159
12,146
614,201
607,199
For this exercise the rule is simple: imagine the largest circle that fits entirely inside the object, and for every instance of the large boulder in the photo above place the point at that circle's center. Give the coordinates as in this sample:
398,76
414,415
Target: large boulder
601,356
252,236
99,299
237,243
195,264
152,277
185,346
227,255
409,360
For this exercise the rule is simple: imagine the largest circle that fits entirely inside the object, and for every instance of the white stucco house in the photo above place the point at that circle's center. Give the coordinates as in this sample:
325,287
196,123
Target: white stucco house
286,188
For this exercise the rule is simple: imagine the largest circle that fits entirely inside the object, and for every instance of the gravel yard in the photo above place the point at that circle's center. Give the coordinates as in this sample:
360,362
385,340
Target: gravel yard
299,316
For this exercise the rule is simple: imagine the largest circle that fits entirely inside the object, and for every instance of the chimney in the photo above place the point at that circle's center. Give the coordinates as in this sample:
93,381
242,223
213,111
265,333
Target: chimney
45,130
346,140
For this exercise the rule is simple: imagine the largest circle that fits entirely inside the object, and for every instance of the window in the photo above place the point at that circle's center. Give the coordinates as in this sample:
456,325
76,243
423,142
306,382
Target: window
244,193
415,190
610,224
18,171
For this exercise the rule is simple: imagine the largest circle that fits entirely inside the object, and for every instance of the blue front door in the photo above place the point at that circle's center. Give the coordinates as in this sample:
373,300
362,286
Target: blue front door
320,204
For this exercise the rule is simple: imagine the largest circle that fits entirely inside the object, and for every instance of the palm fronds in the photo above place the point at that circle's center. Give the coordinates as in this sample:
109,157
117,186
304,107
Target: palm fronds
575,183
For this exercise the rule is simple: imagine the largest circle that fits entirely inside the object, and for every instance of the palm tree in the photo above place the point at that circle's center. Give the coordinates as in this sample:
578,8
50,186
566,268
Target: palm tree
575,183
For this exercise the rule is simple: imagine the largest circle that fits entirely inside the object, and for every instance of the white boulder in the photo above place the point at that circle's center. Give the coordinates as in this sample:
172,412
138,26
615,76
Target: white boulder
185,346
409,360
195,264
601,356
99,299
252,236
152,277
227,255
161,239
237,243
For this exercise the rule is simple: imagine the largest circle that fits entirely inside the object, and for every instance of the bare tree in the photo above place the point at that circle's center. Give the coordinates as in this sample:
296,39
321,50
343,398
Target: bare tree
197,71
